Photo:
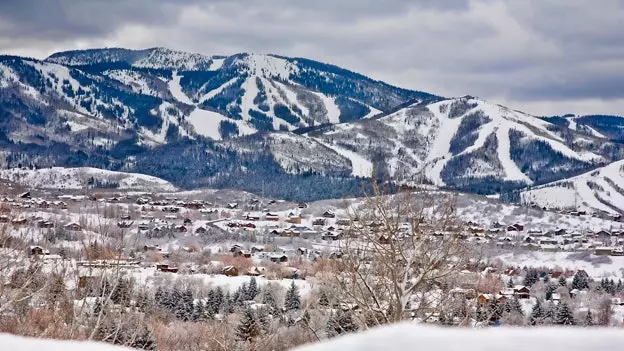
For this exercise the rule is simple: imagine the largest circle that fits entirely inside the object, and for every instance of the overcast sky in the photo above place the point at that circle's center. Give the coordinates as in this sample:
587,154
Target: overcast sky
540,56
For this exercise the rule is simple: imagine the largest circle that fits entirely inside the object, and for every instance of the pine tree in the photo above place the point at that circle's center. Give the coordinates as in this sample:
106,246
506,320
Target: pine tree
579,282
252,289
323,300
268,298
549,313
248,327
537,314
531,277
481,314
510,283
340,323
619,286
494,310
564,315
227,306
513,305
263,319
589,319
185,306
563,281
292,300
144,341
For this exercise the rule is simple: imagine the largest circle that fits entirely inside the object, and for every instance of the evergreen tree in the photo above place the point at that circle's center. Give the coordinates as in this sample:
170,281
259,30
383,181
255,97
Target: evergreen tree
537,314
263,319
121,292
268,298
531,277
185,307
340,323
212,304
549,313
481,314
494,310
589,319
513,305
546,279
510,283
323,300
579,282
563,281
252,289
227,306
292,301
564,315
200,312
144,341
248,327
619,287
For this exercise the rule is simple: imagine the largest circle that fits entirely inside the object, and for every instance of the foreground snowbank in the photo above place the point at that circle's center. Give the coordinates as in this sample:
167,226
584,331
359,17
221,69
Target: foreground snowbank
402,337
17,343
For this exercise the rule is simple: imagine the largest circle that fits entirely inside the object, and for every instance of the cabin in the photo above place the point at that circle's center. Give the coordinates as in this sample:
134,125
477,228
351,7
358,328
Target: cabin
19,221
343,221
331,236
302,205
200,230
256,271
384,240
278,258
603,251
187,221
483,299
515,228
25,195
181,228
4,219
255,249
236,248
125,217
294,219
232,206
230,271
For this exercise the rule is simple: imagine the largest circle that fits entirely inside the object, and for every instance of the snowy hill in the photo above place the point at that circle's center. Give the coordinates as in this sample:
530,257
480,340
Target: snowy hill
601,189
82,178
405,336
467,142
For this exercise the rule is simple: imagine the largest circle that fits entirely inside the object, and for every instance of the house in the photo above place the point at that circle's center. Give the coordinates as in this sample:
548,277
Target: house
329,214
143,226
384,240
45,224
302,251
200,230
124,224
187,221
522,292
294,219
236,248
485,298
252,217
242,253
125,217
25,195
232,206
318,221
273,217
5,219
278,258
181,228
19,221
515,228
164,267
463,293
255,249
38,250
230,271
73,226
302,205
256,271
331,236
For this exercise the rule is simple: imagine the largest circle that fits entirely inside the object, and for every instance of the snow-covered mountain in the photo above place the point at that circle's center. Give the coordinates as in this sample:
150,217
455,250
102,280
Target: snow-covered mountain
83,178
466,143
601,189
244,120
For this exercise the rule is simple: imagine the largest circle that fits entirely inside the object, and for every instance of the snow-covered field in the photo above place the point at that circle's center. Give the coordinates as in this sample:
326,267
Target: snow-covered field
409,336
78,178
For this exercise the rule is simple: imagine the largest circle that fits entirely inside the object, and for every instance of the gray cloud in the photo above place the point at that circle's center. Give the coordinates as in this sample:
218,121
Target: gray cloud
546,54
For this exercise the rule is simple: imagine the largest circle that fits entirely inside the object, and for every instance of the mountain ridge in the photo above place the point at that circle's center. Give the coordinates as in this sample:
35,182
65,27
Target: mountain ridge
232,115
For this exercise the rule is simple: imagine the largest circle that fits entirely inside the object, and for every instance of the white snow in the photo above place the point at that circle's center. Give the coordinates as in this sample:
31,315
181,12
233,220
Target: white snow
333,112
206,123
20,343
77,178
176,89
411,336
216,64
216,91
575,192
360,167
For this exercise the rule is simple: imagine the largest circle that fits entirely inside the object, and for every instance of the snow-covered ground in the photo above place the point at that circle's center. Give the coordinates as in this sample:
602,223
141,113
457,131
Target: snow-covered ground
18,343
206,123
408,336
78,178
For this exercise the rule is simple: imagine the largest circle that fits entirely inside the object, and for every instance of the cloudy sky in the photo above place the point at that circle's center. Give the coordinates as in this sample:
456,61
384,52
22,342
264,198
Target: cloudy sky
540,56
